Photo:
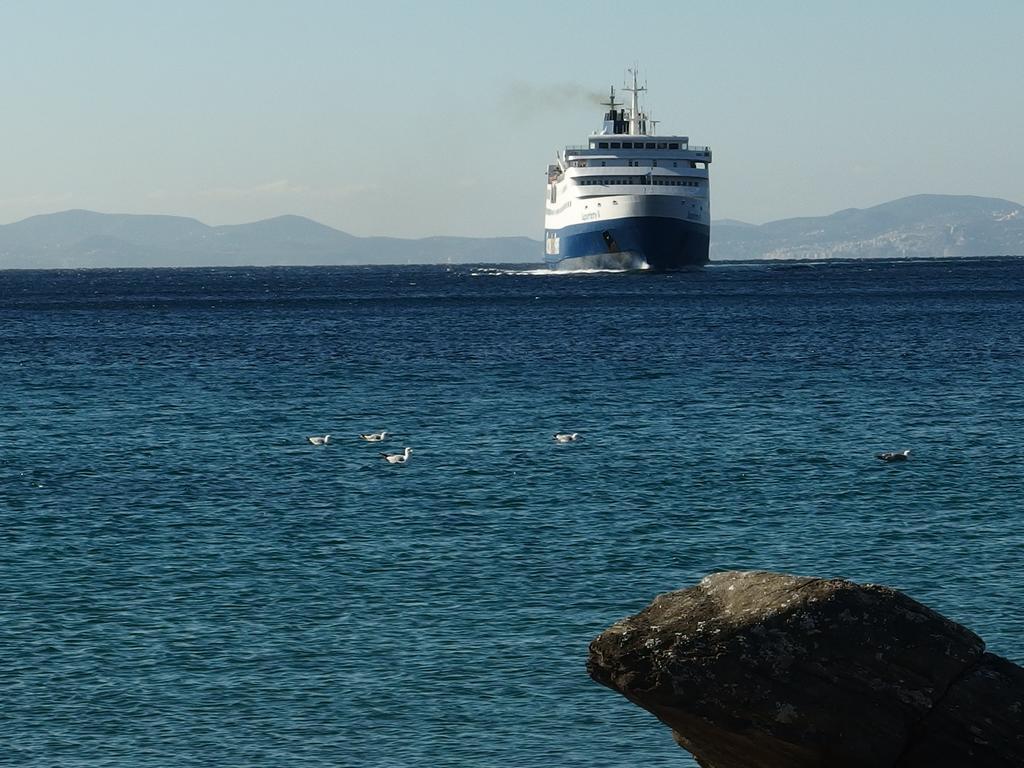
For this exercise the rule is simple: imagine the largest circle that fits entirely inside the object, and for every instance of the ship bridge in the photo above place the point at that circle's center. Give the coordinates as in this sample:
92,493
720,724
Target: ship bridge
624,134
654,147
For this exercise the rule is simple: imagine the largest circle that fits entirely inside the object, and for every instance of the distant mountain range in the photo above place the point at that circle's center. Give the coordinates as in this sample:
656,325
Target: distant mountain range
912,227
79,239
918,226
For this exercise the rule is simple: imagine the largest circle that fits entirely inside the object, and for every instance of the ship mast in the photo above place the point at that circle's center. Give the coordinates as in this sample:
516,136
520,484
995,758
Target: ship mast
635,117
611,103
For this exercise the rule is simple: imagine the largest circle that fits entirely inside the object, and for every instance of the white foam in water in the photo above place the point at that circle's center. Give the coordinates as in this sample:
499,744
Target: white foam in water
545,272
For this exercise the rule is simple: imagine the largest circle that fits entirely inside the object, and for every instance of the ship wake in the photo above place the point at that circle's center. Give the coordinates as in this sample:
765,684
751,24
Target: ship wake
548,272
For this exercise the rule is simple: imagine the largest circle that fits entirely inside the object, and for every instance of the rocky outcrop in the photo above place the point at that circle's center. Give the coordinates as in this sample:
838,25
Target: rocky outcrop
763,670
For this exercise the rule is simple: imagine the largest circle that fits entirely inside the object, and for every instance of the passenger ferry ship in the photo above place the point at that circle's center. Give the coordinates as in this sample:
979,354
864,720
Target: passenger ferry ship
630,199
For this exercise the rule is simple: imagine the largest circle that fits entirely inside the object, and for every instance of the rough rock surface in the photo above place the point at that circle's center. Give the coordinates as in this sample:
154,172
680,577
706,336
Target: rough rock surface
761,670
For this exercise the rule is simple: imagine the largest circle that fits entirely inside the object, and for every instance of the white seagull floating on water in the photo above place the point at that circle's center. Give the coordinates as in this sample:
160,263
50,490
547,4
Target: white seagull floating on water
566,437
397,458
894,455
317,440
374,437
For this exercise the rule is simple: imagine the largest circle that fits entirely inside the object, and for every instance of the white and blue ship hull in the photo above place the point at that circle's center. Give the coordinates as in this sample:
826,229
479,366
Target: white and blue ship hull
634,243
653,237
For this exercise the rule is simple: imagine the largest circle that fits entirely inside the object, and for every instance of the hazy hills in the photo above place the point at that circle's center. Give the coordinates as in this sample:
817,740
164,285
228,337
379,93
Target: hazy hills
918,226
911,227
77,239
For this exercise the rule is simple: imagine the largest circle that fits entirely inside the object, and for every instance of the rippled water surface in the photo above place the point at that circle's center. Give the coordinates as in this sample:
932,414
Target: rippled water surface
186,581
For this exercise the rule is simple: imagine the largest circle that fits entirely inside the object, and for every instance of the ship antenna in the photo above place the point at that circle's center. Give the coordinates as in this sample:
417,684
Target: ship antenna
611,103
634,112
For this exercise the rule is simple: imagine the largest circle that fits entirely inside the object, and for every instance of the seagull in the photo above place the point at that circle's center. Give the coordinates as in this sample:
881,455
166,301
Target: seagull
317,440
894,455
397,458
374,437
566,437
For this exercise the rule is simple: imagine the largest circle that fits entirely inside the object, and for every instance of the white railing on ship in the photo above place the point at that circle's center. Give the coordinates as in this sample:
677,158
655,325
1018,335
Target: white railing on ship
684,148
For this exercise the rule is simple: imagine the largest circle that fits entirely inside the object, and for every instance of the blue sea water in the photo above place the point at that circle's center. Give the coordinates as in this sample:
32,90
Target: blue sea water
185,581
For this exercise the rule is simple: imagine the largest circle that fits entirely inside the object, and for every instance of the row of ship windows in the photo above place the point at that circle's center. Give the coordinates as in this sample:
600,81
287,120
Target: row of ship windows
640,180
637,145
630,163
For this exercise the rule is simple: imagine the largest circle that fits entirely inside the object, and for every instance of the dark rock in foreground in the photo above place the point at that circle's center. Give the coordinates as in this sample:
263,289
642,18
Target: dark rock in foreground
757,670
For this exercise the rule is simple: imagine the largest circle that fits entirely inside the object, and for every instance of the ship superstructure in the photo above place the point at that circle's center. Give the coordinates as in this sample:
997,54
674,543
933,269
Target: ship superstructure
630,198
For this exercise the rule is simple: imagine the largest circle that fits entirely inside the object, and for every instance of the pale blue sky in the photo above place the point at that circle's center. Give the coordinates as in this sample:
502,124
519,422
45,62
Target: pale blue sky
415,119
